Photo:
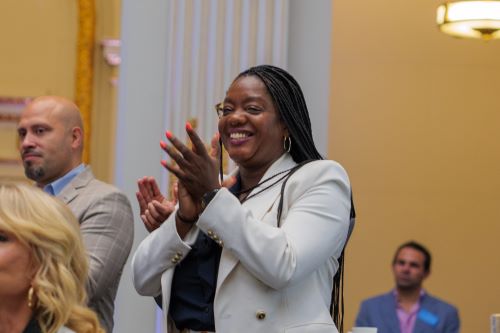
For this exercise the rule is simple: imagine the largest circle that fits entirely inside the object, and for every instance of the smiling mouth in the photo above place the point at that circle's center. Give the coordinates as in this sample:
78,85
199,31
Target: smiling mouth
239,135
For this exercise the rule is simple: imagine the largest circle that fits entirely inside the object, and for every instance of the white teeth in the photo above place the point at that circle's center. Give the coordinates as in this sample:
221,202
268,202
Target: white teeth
238,135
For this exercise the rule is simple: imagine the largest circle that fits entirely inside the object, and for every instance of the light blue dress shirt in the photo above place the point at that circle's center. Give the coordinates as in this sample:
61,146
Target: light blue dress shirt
57,186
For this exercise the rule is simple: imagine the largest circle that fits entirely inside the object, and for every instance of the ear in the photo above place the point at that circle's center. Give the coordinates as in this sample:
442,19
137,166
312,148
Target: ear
285,130
76,137
33,267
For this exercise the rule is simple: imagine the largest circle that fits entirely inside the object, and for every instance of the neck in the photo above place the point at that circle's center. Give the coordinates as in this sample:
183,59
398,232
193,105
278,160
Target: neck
249,179
43,183
408,296
14,315
251,176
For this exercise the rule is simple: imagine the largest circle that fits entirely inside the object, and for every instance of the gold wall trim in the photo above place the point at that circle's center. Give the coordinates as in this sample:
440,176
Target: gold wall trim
85,68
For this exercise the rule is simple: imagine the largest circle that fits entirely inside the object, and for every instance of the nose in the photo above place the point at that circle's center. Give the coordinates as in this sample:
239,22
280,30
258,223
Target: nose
406,267
26,141
237,117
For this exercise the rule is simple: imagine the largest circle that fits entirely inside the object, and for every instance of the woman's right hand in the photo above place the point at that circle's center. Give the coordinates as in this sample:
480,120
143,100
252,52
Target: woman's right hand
190,207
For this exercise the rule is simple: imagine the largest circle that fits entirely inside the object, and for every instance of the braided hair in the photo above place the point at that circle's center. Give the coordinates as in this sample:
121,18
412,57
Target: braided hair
290,103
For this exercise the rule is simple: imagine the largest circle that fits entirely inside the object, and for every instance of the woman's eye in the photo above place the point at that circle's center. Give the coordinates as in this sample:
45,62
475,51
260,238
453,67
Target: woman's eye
3,238
253,110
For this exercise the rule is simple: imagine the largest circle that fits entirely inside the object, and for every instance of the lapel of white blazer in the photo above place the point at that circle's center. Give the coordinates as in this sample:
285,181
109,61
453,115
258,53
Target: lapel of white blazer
263,202
259,206
71,190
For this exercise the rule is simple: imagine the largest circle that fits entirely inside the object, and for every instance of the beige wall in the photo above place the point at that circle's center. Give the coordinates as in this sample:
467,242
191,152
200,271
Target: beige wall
38,47
38,57
415,119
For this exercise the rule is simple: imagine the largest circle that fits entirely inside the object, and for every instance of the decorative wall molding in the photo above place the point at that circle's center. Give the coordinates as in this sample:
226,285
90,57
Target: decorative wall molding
85,68
11,107
10,111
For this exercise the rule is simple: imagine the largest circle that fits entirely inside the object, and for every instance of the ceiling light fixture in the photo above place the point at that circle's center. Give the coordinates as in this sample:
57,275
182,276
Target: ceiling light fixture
470,19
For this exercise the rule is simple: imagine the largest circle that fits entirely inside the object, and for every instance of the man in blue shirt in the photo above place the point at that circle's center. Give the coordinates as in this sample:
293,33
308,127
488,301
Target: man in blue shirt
408,308
50,133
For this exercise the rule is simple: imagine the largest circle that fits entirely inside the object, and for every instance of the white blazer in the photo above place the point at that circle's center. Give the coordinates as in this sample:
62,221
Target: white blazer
270,279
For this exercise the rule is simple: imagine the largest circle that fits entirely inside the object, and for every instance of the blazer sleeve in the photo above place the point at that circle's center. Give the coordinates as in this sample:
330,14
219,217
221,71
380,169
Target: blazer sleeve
107,231
452,324
313,228
160,251
362,317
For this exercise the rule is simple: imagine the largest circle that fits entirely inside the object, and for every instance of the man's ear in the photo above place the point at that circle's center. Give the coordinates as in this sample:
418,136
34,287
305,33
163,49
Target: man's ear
76,137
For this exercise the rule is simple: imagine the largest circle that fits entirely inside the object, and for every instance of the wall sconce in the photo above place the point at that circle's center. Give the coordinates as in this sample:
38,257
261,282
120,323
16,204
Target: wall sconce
470,19
111,51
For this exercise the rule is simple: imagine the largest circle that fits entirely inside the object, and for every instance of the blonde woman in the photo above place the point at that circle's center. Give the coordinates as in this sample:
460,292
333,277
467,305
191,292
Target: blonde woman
43,265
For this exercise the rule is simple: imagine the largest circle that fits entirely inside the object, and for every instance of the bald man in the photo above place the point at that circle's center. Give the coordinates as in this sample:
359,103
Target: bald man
51,144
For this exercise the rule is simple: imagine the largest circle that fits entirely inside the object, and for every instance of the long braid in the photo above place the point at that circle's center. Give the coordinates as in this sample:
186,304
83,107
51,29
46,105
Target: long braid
291,105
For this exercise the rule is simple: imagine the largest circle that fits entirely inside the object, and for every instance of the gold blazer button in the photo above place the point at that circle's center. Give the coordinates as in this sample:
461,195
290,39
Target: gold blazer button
260,315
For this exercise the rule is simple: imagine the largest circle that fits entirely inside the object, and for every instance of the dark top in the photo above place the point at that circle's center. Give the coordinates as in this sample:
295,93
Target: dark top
193,286
32,327
194,282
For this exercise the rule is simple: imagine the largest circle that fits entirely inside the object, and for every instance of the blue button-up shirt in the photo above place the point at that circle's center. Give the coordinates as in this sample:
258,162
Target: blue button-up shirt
57,186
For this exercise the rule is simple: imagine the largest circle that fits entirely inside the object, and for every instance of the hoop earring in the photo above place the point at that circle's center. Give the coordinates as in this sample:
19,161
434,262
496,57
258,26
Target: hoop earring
287,143
30,297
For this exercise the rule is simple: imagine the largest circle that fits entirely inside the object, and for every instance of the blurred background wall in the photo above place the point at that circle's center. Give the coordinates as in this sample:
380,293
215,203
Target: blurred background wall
39,56
412,114
415,119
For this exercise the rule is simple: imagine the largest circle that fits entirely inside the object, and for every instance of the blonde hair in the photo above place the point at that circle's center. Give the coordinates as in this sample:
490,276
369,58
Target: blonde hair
51,232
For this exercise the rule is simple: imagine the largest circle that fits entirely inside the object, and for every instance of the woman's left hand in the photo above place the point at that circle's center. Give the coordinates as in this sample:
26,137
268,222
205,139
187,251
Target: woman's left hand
195,168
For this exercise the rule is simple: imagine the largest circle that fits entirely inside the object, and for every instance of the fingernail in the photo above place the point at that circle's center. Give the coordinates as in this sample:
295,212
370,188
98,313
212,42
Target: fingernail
164,163
189,126
163,144
169,134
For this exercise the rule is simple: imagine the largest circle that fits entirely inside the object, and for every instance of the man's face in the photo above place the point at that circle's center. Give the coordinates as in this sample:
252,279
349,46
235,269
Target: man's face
408,269
45,143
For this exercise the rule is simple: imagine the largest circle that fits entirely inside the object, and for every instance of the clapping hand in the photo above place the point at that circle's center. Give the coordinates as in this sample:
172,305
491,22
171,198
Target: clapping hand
196,168
154,207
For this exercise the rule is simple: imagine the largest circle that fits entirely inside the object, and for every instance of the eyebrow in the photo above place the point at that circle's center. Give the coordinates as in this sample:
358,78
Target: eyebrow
246,99
38,124
409,261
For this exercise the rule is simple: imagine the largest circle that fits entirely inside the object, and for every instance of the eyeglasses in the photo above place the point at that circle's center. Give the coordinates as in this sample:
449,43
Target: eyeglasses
225,111
219,108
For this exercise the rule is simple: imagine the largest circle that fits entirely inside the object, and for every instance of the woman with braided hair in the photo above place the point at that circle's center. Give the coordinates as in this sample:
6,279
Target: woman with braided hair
258,252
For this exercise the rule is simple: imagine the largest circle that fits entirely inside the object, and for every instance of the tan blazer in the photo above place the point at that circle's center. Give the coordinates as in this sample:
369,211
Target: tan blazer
270,279
107,227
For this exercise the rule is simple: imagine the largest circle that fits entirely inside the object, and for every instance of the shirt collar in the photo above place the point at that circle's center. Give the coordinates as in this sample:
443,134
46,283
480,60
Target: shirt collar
396,296
58,185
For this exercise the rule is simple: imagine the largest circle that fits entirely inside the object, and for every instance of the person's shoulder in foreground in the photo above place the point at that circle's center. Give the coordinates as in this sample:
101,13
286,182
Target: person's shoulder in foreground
44,265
